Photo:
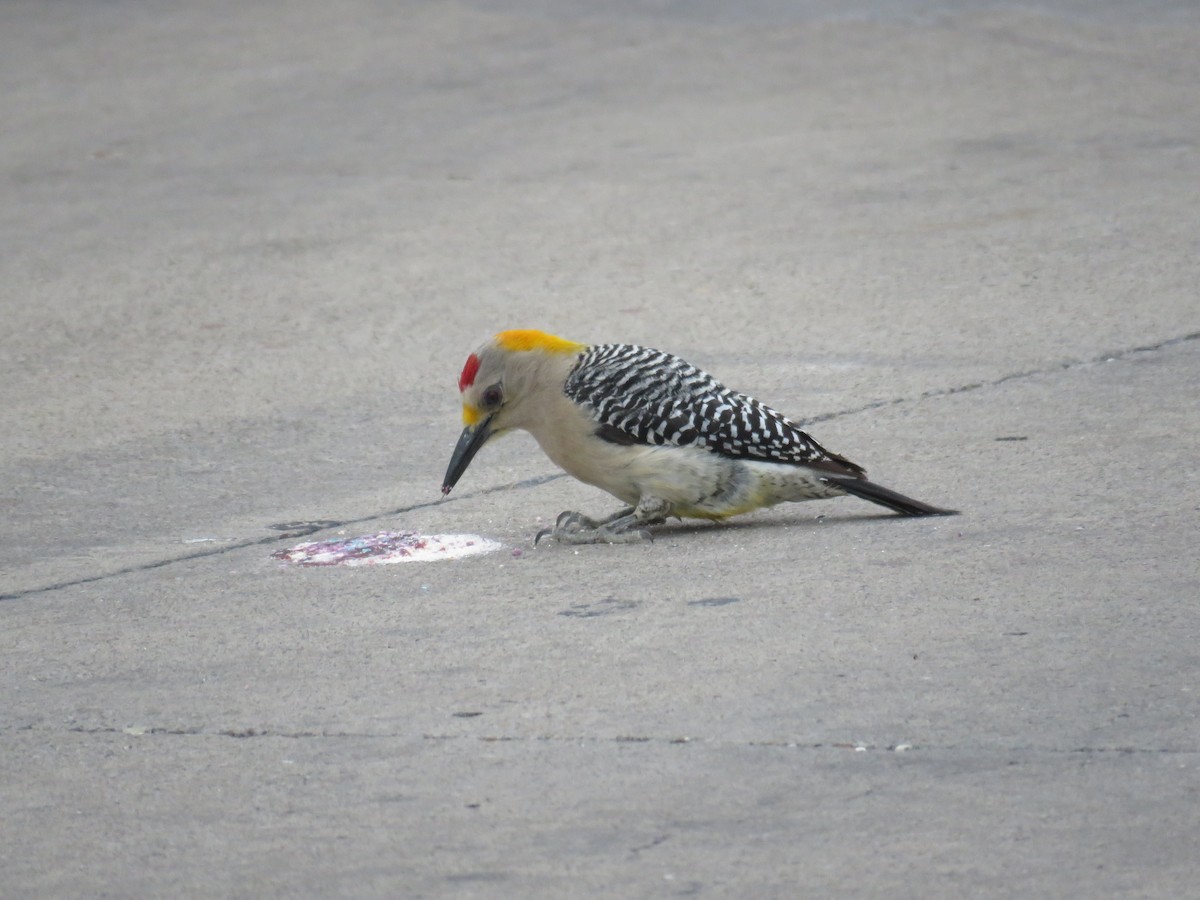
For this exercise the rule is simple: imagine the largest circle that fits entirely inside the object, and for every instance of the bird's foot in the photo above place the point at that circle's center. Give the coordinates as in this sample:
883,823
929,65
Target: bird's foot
576,528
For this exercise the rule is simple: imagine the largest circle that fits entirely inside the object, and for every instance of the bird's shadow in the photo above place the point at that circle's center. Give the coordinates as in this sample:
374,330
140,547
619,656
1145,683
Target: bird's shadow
682,528
691,526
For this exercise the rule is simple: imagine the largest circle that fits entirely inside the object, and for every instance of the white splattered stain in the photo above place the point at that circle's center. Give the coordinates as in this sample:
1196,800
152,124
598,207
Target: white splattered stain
386,548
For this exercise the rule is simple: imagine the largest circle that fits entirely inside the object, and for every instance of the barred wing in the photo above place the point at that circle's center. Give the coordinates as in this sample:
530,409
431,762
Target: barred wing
645,396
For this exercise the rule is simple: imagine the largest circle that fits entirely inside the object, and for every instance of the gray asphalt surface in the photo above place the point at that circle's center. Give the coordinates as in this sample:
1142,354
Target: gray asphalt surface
245,250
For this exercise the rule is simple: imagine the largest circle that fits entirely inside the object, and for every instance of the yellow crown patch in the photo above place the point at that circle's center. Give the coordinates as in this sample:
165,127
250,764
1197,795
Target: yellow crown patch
522,340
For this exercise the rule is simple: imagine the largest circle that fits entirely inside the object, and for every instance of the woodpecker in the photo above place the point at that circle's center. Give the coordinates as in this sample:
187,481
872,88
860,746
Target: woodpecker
659,434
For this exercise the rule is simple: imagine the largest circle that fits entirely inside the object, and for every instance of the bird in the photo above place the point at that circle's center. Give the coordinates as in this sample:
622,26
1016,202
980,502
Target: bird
659,434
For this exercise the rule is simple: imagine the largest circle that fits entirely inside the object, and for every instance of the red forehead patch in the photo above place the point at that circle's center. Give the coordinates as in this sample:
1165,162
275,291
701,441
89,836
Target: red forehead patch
470,370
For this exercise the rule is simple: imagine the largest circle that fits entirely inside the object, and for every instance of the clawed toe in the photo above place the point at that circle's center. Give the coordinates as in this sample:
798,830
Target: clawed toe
606,535
573,521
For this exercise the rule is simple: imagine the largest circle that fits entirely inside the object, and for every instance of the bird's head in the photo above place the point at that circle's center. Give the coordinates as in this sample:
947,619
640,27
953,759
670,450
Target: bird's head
500,383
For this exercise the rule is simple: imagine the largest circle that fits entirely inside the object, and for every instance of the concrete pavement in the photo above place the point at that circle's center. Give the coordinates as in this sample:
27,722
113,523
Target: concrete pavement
246,249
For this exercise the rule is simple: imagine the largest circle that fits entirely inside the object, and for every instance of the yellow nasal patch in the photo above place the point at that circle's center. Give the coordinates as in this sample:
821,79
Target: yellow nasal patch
524,339
470,414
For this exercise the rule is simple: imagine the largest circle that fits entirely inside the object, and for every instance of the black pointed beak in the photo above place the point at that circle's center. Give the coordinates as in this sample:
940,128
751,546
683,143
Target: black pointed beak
472,438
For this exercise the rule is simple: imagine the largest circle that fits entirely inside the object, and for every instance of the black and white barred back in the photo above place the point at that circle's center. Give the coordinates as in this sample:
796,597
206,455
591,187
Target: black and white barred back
644,396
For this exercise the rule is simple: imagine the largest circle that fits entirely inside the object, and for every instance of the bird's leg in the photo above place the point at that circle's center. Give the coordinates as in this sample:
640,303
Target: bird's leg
622,527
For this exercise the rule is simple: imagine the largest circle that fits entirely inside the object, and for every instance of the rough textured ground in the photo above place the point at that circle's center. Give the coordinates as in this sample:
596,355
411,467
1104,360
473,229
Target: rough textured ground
245,251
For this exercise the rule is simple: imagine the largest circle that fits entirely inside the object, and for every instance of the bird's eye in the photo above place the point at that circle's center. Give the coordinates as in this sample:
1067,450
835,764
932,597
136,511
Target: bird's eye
492,397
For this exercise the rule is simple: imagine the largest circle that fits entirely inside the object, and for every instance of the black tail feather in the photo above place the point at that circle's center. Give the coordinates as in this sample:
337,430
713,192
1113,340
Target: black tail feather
869,490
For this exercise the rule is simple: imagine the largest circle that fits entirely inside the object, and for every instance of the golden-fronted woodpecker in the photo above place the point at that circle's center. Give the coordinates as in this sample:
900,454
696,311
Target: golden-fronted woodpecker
662,436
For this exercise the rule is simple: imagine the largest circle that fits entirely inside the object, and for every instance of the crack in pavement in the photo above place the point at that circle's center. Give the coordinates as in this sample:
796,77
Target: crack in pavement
656,740
325,525
1068,365
291,534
